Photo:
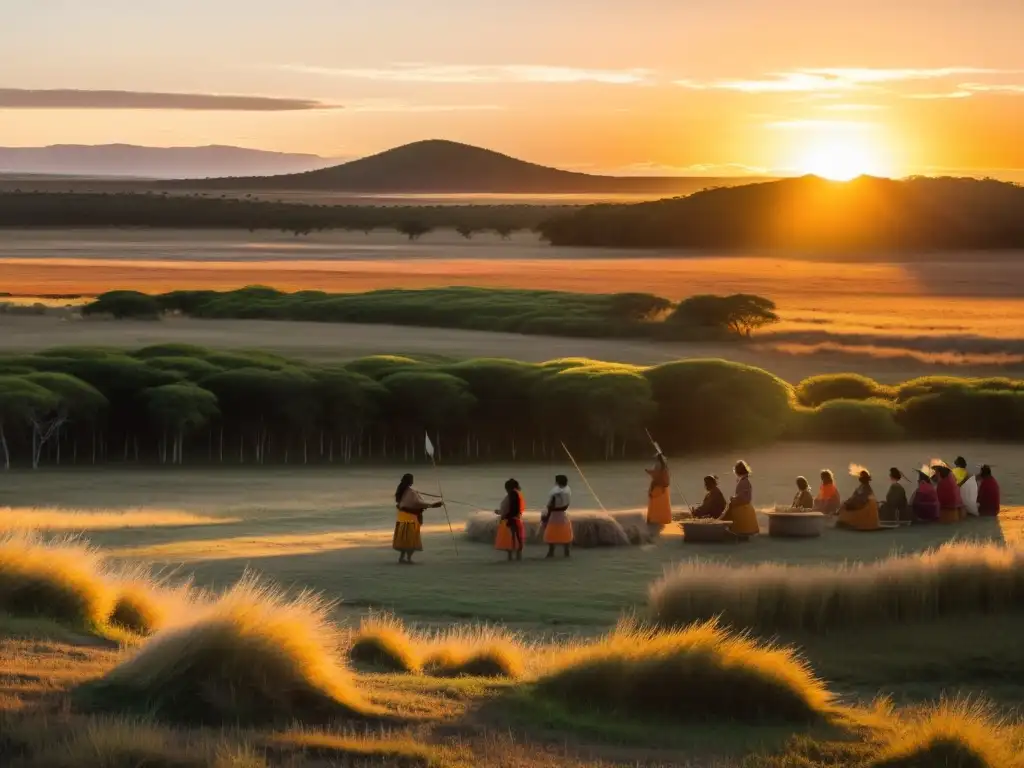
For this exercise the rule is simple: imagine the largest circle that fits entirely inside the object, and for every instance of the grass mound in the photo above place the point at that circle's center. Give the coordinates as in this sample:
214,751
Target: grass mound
955,579
957,734
699,673
590,529
252,657
475,652
397,751
61,580
383,643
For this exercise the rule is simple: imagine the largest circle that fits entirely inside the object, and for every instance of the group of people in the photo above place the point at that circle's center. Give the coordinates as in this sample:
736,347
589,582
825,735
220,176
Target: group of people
511,533
943,494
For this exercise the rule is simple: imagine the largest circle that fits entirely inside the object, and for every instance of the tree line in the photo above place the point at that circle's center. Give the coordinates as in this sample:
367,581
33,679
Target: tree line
559,313
201,211
181,404
810,213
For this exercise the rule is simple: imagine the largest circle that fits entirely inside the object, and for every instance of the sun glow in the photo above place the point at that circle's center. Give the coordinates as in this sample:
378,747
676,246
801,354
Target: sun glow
843,156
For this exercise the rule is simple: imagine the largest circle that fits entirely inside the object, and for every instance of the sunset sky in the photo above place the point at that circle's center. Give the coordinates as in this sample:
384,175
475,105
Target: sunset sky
645,86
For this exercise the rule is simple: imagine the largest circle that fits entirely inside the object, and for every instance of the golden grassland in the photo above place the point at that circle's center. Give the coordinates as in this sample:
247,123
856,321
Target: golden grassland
242,664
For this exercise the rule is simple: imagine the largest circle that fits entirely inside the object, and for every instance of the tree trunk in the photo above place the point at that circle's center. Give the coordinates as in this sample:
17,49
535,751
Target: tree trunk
3,444
222,445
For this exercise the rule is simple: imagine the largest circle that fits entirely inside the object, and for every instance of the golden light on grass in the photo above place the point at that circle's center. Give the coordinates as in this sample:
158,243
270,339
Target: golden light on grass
475,651
40,519
253,656
382,642
701,672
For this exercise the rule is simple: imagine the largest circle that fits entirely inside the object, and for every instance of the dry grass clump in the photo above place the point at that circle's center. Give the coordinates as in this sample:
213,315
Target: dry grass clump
401,751
115,743
955,579
252,657
702,672
590,529
382,642
957,734
60,579
475,651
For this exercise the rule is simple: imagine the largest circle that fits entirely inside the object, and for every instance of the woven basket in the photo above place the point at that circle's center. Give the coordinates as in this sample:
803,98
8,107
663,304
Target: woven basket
795,524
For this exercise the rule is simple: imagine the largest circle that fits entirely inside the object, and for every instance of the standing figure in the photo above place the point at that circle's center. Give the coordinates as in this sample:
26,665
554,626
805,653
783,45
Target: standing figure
741,506
557,526
924,502
895,508
659,503
860,511
714,503
410,505
803,498
988,493
950,505
511,531
828,500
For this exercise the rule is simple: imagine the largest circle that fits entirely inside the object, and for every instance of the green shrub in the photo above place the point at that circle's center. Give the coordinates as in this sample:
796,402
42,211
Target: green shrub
856,420
817,390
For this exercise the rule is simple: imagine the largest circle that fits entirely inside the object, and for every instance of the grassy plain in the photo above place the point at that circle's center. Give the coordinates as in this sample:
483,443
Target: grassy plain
873,315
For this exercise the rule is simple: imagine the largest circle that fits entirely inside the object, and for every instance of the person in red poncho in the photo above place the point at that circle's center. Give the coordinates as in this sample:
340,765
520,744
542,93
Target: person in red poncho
924,502
988,493
949,495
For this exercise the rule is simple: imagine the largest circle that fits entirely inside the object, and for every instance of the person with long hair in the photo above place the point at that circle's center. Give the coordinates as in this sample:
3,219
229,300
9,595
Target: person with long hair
740,511
511,531
895,510
659,502
828,499
803,498
410,505
860,511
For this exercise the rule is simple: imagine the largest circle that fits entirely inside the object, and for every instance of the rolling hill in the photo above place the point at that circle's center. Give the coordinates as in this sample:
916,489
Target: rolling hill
809,214
437,166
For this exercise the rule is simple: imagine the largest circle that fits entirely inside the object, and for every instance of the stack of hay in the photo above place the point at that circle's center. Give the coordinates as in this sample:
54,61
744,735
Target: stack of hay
591,529
794,523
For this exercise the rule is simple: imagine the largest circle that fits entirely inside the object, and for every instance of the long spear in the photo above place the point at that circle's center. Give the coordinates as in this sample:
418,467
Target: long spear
429,448
584,478
662,454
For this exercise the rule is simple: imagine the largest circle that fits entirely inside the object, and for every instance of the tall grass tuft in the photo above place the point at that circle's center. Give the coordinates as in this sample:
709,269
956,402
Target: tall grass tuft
957,734
702,672
252,657
382,642
60,579
953,580
475,651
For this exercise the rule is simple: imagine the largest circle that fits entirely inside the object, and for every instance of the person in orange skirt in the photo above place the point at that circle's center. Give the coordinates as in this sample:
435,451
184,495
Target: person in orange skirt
410,505
659,503
557,526
511,531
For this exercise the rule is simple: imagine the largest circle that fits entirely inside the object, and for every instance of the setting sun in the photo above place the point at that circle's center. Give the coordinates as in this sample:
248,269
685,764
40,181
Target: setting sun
844,156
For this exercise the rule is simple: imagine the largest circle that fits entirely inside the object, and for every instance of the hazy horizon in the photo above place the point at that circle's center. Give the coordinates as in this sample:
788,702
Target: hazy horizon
737,88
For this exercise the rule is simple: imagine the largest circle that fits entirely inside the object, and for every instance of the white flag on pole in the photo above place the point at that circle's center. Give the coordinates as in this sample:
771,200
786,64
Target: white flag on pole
428,446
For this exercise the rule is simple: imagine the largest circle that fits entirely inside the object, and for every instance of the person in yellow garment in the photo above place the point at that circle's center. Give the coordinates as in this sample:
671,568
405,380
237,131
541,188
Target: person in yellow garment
556,522
410,505
960,470
659,503
741,506
860,511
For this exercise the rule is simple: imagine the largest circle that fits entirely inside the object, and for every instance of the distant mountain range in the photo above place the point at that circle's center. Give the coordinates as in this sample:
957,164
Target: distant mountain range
447,167
128,161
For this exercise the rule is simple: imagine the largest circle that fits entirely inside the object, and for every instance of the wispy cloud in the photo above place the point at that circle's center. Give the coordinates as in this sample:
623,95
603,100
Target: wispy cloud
19,98
417,72
940,95
837,79
698,169
1009,88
